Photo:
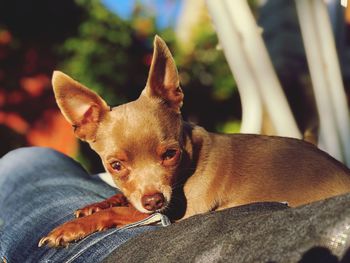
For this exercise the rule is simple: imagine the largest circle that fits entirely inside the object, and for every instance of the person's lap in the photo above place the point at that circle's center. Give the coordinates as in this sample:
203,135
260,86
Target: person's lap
39,190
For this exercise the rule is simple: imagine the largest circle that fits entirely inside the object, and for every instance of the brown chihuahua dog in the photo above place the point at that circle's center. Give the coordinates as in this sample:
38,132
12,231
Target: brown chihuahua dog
163,164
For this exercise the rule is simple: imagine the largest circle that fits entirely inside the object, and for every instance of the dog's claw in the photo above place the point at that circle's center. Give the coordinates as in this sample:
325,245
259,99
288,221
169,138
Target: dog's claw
42,242
50,242
77,213
86,211
53,242
90,209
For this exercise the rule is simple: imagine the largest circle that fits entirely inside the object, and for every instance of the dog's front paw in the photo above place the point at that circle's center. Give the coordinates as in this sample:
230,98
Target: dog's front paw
64,234
81,227
116,200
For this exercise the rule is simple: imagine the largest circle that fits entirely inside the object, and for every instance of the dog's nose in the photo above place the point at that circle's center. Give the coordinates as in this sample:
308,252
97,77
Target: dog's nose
153,202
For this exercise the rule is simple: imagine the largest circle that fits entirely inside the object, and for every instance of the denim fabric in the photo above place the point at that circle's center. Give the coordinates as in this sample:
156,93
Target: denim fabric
39,190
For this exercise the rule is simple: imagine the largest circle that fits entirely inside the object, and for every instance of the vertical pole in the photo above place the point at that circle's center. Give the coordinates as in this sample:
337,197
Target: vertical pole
326,78
231,43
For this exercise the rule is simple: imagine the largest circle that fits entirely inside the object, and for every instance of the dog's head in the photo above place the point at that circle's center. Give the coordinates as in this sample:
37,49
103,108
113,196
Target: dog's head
140,142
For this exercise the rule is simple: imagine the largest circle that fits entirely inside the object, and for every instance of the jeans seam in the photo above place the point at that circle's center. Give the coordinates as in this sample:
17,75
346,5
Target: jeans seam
164,221
91,243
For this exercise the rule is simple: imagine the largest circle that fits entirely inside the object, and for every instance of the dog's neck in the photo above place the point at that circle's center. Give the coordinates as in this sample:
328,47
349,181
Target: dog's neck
196,149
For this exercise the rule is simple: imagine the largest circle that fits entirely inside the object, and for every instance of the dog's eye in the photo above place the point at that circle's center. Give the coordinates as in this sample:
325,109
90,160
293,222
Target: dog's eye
169,154
117,166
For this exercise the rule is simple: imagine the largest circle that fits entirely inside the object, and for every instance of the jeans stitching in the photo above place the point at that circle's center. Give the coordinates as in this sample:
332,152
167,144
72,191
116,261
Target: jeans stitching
164,221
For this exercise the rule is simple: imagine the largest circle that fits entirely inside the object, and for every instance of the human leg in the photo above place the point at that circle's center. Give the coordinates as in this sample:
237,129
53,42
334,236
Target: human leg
39,190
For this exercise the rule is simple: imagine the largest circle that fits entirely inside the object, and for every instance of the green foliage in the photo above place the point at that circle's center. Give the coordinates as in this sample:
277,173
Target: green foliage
105,55
232,126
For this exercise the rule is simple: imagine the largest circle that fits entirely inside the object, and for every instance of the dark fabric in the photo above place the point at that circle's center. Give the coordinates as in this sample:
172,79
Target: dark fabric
265,232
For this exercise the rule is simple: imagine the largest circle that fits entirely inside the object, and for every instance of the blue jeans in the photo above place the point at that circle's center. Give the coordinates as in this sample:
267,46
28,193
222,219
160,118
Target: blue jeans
39,190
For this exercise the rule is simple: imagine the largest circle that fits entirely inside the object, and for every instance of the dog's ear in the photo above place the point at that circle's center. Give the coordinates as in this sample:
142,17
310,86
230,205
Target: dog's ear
163,80
82,107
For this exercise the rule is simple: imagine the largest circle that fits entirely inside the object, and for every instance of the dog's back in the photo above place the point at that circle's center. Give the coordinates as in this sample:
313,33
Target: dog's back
267,168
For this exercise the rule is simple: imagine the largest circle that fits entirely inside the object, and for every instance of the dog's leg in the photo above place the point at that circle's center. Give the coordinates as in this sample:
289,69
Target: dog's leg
81,227
115,200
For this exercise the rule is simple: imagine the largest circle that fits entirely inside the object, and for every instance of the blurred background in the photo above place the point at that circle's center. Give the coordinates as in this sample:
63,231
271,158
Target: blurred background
107,46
